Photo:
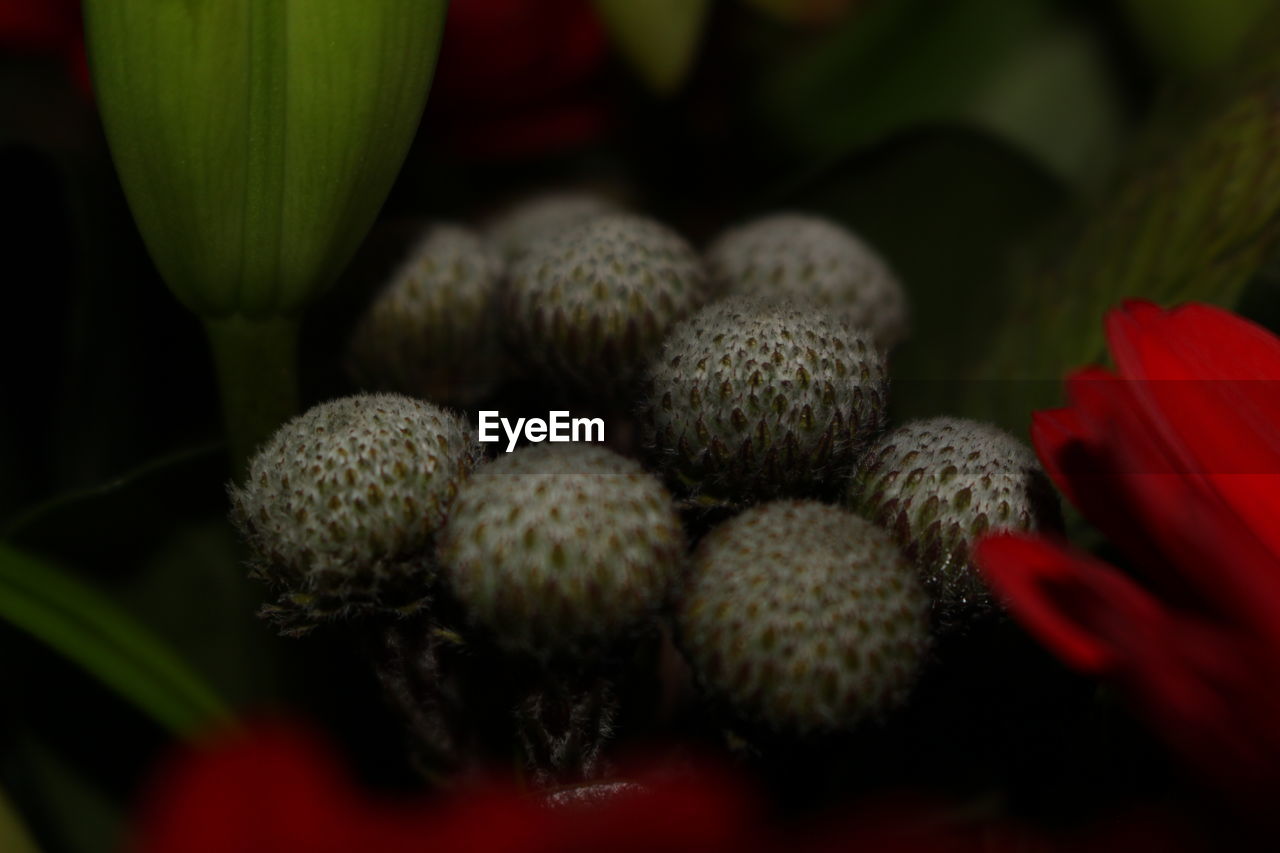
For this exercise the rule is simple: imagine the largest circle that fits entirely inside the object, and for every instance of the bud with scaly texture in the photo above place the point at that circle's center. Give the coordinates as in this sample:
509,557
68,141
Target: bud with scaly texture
591,305
527,223
749,401
556,547
341,506
808,258
433,332
803,617
938,485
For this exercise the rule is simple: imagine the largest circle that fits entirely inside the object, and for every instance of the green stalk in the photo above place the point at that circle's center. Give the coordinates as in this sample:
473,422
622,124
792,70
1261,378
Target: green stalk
257,365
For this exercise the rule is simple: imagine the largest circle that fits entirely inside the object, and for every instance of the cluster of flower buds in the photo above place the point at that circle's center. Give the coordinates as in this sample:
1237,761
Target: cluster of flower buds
754,515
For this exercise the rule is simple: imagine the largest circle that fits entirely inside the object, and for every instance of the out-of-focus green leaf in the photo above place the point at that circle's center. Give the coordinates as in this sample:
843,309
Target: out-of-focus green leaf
1194,219
659,38
945,207
159,541
1194,36
1057,101
68,809
14,837
1021,69
89,629
193,591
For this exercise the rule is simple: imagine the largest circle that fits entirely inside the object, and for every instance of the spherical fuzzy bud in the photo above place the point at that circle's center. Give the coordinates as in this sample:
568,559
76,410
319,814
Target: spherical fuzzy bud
340,507
526,224
752,400
795,256
803,617
938,485
557,548
433,330
591,305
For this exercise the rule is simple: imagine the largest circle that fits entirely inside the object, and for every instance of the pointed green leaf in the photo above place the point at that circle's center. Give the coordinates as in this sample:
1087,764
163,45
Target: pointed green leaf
256,139
1023,70
1194,219
72,810
87,628
659,38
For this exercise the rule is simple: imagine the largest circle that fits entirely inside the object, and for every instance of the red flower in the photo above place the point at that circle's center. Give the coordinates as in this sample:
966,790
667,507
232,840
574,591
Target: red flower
518,77
46,27
278,789
1176,458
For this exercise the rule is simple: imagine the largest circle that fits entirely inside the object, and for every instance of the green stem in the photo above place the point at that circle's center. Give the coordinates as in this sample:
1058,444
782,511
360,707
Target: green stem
257,365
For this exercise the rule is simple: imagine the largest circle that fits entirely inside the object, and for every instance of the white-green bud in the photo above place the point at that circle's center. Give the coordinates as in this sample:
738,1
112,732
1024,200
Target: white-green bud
341,506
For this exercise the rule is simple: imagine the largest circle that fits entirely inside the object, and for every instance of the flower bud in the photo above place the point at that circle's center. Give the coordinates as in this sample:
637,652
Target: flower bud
939,485
803,617
750,401
256,140
341,506
561,549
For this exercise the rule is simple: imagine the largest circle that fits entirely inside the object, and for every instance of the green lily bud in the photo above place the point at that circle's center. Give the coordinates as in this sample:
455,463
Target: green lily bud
257,139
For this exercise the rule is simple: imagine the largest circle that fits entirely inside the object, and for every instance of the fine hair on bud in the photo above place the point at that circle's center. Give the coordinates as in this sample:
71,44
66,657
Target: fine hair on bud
341,506
560,550
589,306
803,617
938,485
751,400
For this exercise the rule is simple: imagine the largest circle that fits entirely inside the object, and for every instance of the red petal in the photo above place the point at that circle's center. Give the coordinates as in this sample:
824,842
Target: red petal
1066,599
1090,447
1171,522
1059,437
268,788
1200,342
1211,691
1209,384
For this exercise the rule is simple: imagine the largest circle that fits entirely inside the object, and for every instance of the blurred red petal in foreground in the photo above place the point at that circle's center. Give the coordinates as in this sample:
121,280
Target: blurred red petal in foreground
279,788
1176,458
